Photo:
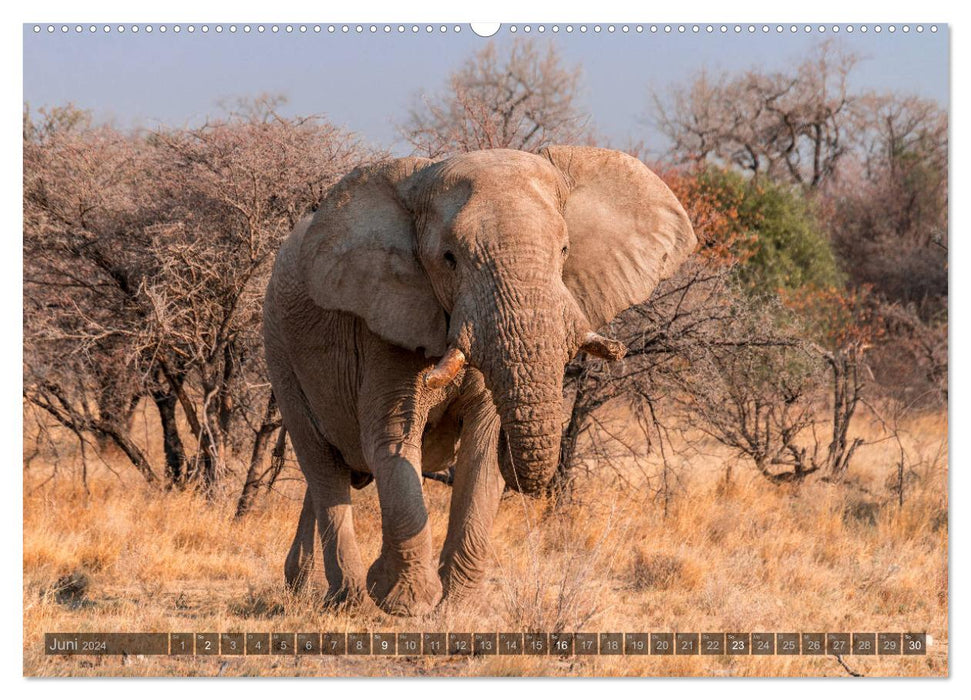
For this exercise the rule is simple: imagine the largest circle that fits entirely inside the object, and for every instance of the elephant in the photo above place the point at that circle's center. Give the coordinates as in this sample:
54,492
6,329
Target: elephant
423,317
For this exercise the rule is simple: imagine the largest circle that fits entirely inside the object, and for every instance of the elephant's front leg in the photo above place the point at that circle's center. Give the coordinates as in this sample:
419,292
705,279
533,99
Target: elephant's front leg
403,580
476,493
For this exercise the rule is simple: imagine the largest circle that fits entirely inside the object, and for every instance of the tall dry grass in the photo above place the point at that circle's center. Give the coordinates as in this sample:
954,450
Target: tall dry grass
742,555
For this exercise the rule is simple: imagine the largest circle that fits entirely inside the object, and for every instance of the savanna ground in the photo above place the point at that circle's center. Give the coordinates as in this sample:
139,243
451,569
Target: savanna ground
728,555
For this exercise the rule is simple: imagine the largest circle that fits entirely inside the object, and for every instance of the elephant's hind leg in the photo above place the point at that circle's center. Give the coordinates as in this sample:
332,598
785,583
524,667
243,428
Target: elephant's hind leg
329,490
300,558
329,486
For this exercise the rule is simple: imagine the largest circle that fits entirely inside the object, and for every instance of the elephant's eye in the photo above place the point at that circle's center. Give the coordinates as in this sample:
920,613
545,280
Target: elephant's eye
564,251
449,259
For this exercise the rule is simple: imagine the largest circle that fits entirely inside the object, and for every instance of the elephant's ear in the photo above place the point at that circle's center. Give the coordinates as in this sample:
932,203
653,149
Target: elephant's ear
627,229
359,256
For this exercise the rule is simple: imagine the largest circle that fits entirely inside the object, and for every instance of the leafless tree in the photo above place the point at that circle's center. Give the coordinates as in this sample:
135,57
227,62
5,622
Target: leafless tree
146,256
888,213
708,355
789,125
764,404
78,185
524,98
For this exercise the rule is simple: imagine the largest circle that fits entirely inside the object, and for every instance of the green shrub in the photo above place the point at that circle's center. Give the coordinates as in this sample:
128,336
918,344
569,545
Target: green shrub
790,249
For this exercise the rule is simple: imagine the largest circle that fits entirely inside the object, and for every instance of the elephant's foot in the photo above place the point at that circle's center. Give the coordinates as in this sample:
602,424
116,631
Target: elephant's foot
408,592
456,599
456,594
461,577
297,570
300,559
347,595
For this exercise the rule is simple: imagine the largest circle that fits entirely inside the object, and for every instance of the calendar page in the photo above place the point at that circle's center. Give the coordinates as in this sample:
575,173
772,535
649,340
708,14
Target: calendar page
524,349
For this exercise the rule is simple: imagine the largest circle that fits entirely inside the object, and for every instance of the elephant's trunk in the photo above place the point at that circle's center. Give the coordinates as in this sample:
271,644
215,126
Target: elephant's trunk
530,444
522,355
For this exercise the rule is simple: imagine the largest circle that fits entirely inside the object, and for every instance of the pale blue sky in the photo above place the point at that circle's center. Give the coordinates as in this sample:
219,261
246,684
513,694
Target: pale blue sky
367,82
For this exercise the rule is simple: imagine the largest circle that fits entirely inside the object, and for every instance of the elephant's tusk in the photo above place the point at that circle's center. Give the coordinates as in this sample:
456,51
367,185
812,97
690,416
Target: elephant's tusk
607,348
442,374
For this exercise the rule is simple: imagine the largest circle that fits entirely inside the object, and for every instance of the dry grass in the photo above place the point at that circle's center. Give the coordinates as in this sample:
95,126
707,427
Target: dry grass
751,557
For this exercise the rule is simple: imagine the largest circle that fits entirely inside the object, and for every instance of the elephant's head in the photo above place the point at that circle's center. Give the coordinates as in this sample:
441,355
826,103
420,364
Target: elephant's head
506,259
